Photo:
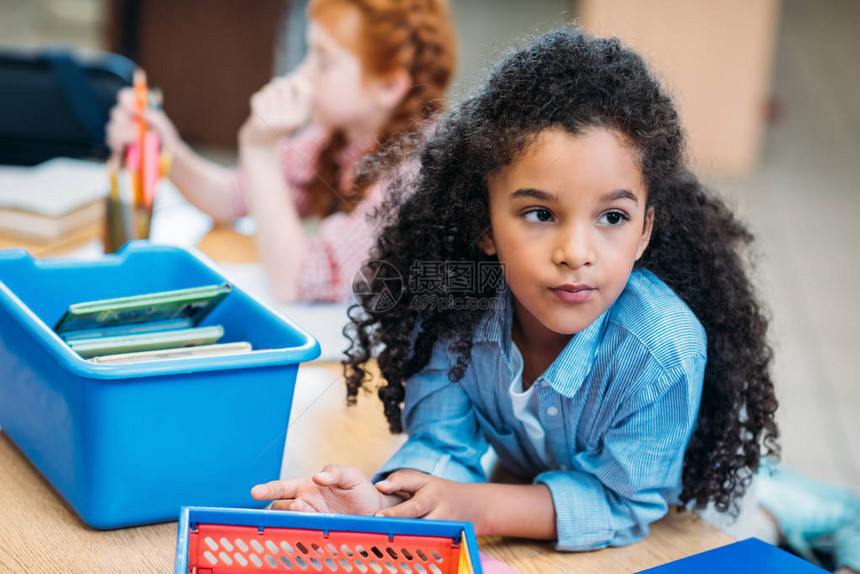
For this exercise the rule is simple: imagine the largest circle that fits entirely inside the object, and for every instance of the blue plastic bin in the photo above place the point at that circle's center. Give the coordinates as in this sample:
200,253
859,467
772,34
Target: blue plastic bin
234,541
133,443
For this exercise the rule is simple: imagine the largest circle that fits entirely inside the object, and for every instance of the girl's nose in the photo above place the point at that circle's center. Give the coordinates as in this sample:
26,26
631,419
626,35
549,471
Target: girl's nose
573,247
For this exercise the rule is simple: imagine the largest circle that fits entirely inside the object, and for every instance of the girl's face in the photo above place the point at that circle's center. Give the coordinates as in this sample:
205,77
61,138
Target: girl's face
345,97
568,221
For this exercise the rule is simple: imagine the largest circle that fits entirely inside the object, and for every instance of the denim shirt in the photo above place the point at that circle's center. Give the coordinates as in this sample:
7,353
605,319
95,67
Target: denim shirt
618,406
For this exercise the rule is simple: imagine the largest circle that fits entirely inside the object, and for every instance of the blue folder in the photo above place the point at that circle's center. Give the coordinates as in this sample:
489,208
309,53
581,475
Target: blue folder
750,556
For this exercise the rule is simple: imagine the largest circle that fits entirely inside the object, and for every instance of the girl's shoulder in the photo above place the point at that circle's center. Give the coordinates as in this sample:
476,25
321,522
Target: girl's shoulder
652,313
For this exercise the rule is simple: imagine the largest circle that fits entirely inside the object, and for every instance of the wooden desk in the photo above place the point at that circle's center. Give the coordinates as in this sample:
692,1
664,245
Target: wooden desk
40,533
225,244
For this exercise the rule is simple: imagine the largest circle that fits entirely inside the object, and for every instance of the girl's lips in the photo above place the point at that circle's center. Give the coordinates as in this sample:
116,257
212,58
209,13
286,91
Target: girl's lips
573,293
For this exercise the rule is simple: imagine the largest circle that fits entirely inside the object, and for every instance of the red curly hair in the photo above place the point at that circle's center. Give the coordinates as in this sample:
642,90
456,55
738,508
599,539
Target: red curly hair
413,35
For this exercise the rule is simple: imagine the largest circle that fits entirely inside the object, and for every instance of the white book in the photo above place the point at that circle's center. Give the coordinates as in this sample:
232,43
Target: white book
216,350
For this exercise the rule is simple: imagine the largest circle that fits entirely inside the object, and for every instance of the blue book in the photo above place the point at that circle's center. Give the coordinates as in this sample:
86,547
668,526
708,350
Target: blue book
750,556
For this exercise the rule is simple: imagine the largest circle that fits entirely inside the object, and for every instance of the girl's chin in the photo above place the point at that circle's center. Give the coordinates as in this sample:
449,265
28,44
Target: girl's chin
558,323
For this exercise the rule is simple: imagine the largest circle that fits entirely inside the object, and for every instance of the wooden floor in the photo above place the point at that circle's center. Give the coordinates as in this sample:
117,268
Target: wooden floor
804,204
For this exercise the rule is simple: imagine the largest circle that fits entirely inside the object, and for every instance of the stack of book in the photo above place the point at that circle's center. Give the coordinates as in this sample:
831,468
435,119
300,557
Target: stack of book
149,327
52,200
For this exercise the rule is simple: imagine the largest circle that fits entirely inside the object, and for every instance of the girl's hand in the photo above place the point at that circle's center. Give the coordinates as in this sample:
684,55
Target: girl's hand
281,107
431,497
121,129
338,489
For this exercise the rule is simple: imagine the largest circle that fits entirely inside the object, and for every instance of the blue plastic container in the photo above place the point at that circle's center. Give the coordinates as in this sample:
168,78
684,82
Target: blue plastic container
233,541
133,443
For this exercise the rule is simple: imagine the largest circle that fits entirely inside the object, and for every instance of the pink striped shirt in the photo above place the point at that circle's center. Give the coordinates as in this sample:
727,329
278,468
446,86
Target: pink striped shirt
344,240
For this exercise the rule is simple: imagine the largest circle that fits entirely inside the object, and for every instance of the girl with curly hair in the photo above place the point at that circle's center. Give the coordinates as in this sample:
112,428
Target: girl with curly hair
375,70
619,365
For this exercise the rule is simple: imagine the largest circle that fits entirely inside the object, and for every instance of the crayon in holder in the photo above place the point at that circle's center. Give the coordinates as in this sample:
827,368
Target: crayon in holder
128,213
124,222
232,541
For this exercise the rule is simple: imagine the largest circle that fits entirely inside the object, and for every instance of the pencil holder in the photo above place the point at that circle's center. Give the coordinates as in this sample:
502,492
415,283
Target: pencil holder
234,541
132,443
124,222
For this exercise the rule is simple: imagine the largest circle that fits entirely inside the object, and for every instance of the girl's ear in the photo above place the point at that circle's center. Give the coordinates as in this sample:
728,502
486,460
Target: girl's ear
486,243
646,232
392,88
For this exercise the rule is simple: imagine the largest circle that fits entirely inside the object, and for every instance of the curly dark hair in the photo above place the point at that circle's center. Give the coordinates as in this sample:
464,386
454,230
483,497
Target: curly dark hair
568,79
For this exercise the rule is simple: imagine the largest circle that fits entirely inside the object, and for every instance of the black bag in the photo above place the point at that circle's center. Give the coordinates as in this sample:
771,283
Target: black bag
56,103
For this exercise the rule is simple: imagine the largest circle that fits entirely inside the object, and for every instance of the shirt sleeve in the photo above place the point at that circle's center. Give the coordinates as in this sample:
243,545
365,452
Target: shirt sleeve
615,490
444,437
335,254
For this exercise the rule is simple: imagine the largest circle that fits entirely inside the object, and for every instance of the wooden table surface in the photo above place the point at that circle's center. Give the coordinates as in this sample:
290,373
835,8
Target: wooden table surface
39,532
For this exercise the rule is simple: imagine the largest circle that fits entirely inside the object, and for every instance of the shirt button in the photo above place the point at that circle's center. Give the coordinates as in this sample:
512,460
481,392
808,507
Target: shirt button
552,411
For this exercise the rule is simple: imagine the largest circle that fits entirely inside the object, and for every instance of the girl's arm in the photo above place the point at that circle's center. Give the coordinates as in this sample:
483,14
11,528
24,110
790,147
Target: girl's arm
208,186
494,509
280,239
521,510
280,108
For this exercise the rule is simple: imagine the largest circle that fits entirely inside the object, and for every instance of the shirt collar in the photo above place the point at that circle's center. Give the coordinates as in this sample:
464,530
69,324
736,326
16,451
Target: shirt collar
568,371
495,325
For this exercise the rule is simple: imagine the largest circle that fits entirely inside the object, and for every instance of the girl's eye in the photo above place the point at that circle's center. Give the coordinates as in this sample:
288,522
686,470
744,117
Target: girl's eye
614,218
538,215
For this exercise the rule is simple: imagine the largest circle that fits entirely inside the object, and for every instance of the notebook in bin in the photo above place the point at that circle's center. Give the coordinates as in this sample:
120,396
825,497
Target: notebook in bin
192,304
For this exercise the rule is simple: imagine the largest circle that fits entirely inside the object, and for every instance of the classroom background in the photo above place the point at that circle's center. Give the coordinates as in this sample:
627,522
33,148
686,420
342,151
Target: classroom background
768,89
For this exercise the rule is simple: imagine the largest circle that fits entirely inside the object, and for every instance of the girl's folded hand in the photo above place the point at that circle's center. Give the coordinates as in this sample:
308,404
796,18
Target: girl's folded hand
338,489
430,497
281,107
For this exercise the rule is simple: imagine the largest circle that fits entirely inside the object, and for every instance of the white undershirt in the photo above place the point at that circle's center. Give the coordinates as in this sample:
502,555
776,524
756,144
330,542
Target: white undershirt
525,407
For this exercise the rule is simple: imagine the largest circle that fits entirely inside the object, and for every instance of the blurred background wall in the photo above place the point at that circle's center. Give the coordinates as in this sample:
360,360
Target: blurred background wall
770,95
210,55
